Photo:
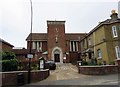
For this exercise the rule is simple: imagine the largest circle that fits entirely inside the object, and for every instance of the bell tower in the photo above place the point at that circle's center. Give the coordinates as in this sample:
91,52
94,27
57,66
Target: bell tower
56,40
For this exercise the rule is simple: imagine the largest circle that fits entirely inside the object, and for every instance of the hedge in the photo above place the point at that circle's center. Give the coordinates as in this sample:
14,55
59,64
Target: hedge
9,65
8,61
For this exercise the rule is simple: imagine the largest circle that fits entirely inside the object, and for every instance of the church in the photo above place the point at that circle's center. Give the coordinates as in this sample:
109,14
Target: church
56,44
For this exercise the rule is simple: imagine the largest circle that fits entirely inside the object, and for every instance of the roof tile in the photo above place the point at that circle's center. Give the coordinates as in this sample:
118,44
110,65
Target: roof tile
43,36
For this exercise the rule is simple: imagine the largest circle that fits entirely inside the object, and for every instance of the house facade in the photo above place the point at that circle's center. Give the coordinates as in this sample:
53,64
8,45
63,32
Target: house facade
102,44
56,44
5,46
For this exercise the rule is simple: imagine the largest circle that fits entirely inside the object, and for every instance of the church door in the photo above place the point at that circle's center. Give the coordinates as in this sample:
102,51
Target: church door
57,57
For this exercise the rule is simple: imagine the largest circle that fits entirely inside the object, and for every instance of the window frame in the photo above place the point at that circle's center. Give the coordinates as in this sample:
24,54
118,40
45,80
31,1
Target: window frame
117,50
99,54
73,46
114,31
89,41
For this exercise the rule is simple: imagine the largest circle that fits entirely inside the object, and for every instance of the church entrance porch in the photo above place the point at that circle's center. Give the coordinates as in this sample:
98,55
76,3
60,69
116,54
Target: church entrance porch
57,55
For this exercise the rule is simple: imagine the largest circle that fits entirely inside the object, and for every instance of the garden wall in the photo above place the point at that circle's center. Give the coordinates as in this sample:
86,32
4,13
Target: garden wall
98,70
13,78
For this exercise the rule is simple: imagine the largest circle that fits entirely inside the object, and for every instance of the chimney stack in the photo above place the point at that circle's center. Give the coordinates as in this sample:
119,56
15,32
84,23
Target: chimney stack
114,15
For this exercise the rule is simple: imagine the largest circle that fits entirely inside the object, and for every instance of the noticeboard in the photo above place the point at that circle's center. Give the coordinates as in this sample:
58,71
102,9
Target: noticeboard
30,56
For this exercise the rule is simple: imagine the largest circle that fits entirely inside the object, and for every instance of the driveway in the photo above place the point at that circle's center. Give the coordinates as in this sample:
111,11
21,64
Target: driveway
67,74
64,72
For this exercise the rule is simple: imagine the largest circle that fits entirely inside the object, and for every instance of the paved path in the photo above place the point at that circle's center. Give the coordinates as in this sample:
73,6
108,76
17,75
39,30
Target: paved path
67,74
64,71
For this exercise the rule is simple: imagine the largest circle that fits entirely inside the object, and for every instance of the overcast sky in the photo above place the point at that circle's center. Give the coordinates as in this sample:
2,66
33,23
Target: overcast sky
80,16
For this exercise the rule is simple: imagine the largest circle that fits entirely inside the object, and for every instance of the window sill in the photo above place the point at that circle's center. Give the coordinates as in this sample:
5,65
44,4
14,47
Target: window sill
115,37
99,58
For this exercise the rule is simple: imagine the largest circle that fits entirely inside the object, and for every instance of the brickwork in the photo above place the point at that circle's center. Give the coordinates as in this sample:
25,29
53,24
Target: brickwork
10,78
5,46
56,36
44,46
74,57
118,63
98,70
56,41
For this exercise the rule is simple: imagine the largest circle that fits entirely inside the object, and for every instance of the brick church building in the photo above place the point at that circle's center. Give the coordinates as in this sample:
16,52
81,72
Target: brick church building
56,44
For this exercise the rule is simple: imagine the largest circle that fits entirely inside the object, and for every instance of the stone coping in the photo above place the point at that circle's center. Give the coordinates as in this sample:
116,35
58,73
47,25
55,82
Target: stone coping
25,71
98,66
39,70
118,59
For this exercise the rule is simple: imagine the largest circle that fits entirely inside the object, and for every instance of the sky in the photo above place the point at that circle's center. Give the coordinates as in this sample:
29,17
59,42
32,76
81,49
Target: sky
80,15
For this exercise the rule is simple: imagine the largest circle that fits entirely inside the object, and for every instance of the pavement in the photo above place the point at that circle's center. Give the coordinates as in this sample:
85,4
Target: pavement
67,75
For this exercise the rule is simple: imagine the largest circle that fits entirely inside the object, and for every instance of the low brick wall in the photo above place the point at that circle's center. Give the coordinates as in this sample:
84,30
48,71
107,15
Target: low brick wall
11,78
98,70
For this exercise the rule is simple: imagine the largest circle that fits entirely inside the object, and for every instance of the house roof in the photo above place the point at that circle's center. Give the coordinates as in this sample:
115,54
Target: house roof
5,42
43,36
106,22
113,19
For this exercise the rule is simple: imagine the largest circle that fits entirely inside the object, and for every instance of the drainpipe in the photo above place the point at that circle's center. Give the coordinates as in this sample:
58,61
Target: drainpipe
94,49
94,45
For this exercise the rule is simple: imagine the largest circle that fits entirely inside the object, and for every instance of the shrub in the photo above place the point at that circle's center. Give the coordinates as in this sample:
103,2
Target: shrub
84,63
6,55
100,62
9,63
112,63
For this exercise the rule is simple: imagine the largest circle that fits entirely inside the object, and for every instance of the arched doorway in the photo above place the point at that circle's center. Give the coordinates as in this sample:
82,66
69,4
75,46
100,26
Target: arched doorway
57,55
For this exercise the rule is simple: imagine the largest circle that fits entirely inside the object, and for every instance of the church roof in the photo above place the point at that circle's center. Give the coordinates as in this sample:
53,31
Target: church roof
74,36
43,36
37,36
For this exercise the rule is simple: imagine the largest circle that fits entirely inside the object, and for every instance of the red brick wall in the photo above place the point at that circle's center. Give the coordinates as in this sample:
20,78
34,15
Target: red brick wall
5,47
44,46
10,78
67,43
28,44
52,35
98,70
118,63
73,57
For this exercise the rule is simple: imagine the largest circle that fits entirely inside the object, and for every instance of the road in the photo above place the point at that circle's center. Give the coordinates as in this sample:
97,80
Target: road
67,74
